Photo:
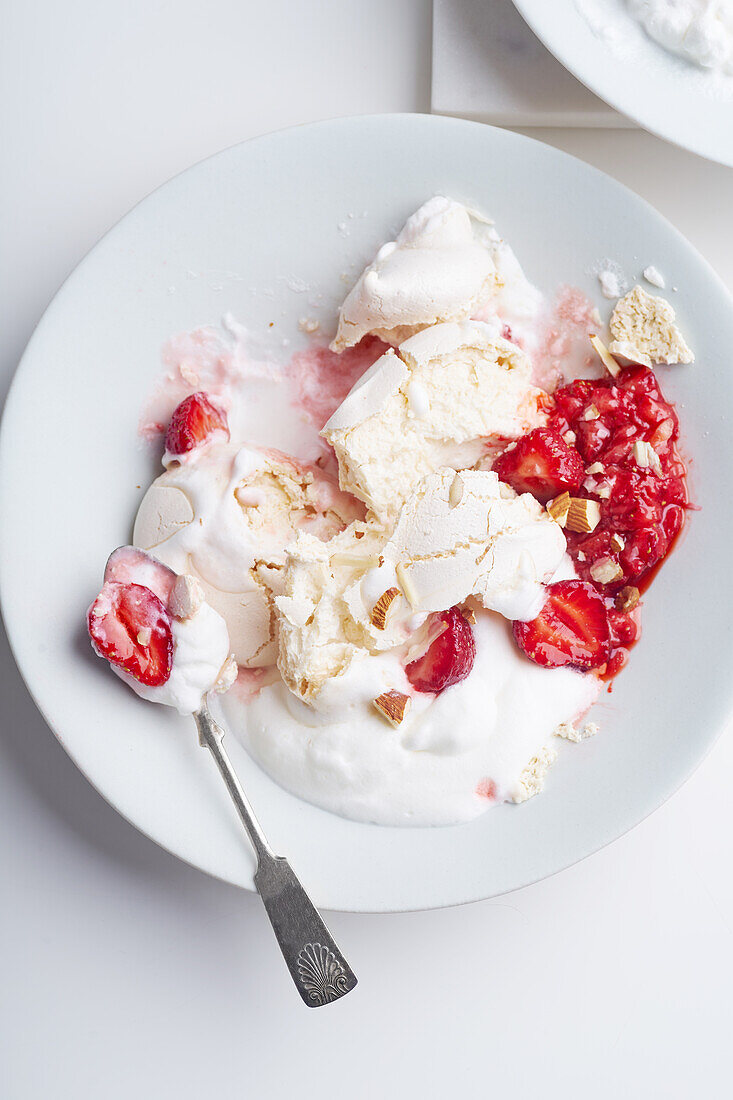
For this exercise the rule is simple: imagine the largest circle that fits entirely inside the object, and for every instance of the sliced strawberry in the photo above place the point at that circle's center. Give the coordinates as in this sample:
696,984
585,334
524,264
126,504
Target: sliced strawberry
129,626
570,630
194,422
448,659
541,464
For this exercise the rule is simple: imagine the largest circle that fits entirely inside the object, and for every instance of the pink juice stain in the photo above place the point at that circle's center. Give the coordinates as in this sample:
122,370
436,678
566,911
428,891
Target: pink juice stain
322,378
564,351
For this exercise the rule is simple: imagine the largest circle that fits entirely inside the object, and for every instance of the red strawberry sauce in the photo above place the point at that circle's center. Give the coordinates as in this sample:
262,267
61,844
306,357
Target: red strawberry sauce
642,507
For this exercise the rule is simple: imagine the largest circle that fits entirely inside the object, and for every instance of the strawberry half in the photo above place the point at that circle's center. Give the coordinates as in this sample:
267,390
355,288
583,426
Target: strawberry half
194,422
448,659
129,626
541,464
571,630
133,566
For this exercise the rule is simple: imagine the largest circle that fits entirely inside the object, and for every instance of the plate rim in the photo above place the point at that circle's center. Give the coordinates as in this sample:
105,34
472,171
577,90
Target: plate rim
21,659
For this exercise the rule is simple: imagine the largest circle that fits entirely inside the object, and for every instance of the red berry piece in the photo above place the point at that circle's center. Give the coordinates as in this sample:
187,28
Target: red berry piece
129,626
571,629
541,464
448,659
194,422
132,566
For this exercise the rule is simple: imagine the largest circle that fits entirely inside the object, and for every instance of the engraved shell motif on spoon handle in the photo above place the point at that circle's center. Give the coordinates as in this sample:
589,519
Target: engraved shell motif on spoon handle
320,972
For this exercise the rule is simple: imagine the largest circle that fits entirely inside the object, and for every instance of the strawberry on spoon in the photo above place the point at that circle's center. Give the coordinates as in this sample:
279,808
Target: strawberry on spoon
129,625
570,631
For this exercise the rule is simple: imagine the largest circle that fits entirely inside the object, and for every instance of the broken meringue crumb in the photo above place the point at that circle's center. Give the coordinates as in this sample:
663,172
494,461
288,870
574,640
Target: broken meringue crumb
644,330
532,779
227,676
571,733
186,598
654,276
612,281
309,325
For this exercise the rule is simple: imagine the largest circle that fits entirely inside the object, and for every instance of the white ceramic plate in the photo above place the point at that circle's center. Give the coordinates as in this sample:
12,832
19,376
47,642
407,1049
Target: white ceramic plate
638,77
254,218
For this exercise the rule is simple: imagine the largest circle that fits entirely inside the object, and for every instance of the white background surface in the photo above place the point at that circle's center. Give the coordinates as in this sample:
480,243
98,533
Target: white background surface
126,973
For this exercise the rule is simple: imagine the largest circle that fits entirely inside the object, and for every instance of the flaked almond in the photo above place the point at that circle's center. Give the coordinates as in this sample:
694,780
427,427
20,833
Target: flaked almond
455,493
559,507
591,413
186,598
382,606
359,561
627,598
596,468
144,636
570,438
605,356
468,614
606,571
617,541
393,706
404,582
646,457
583,515
663,432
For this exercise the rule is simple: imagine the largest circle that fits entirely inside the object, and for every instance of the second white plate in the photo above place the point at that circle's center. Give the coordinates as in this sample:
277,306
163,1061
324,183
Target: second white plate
661,92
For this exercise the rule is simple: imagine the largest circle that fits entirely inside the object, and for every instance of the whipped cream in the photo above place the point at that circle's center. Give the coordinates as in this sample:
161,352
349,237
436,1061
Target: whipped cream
700,31
436,270
455,754
436,402
225,516
200,650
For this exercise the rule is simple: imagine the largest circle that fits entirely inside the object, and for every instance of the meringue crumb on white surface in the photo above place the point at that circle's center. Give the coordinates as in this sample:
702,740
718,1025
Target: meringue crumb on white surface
654,276
644,330
612,282
532,779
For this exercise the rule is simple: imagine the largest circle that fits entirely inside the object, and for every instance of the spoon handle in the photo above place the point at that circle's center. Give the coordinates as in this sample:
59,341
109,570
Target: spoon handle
319,970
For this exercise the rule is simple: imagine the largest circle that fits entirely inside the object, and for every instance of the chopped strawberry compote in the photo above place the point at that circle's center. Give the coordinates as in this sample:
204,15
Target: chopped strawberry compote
542,464
625,433
448,659
571,629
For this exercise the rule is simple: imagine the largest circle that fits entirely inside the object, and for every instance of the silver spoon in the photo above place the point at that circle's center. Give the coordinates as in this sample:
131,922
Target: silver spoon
319,970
